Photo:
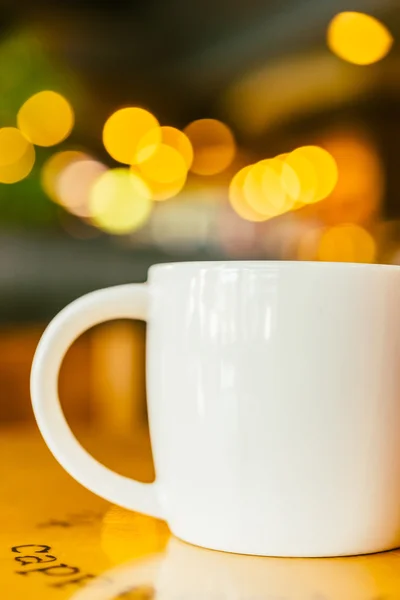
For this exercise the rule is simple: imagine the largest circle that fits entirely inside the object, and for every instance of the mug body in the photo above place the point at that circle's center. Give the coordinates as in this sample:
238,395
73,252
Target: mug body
274,409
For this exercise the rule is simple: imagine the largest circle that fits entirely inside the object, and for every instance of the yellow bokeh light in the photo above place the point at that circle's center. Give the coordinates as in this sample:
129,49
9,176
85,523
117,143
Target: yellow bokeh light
124,130
171,137
161,191
305,191
290,182
360,188
264,187
177,139
325,167
164,191
13,145
238,200
273,190
280,186
213,146
120,201
74,185
254,191
46,118
252,188
358,38
346,243
165,165
20,169
54,166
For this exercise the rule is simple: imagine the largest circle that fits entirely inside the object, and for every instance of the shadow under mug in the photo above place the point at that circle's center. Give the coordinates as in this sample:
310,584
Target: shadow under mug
273,398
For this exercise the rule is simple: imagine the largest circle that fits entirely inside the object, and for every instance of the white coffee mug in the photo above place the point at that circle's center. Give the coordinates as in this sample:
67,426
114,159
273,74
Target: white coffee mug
273,398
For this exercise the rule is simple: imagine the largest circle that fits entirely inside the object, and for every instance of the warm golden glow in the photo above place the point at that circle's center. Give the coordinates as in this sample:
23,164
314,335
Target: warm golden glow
54,166
164,166
124,130
358,38
277,185
20,169
347,243
238,200
252,188
120,201
280,186
273,191
74,185
290,182
177,139
13,145
305,190
325,168
46,118
359,191
161,191
17,155
213,146
264,187
126,535
171,137
254,192
163,162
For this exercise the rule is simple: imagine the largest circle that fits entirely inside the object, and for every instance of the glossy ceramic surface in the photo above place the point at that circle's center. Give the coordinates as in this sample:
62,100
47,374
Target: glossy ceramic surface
273,393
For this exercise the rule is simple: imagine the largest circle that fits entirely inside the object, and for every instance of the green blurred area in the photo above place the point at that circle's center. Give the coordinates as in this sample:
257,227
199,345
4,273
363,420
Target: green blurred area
25,69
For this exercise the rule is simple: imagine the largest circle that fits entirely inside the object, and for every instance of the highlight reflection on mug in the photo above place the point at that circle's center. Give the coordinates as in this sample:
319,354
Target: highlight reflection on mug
185,572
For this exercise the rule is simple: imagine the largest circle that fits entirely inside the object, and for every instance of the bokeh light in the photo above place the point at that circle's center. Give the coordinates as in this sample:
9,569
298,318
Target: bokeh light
213,146
120,201
325,168
358,38
74,185
359,191
273,190
346,243
177,139
289,180
20,169
13,145
275,186
280,186
301,165
264,187
165,165
46,118
55,165
124,130
171,137
238,200
254,190
160,191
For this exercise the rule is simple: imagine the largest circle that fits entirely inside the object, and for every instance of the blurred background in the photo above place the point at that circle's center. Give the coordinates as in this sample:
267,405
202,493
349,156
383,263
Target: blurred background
136,133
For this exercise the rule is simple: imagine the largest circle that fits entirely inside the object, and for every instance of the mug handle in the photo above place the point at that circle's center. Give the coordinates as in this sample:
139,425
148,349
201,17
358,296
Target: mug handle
119,302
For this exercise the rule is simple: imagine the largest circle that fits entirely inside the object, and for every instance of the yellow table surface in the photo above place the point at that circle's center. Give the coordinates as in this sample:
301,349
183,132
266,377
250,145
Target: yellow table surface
59,541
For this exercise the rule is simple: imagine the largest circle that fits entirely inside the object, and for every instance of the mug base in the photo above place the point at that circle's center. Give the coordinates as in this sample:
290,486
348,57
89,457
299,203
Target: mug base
300,552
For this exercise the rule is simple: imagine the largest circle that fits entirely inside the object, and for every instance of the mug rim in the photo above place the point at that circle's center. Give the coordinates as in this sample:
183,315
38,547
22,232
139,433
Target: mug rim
258,264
